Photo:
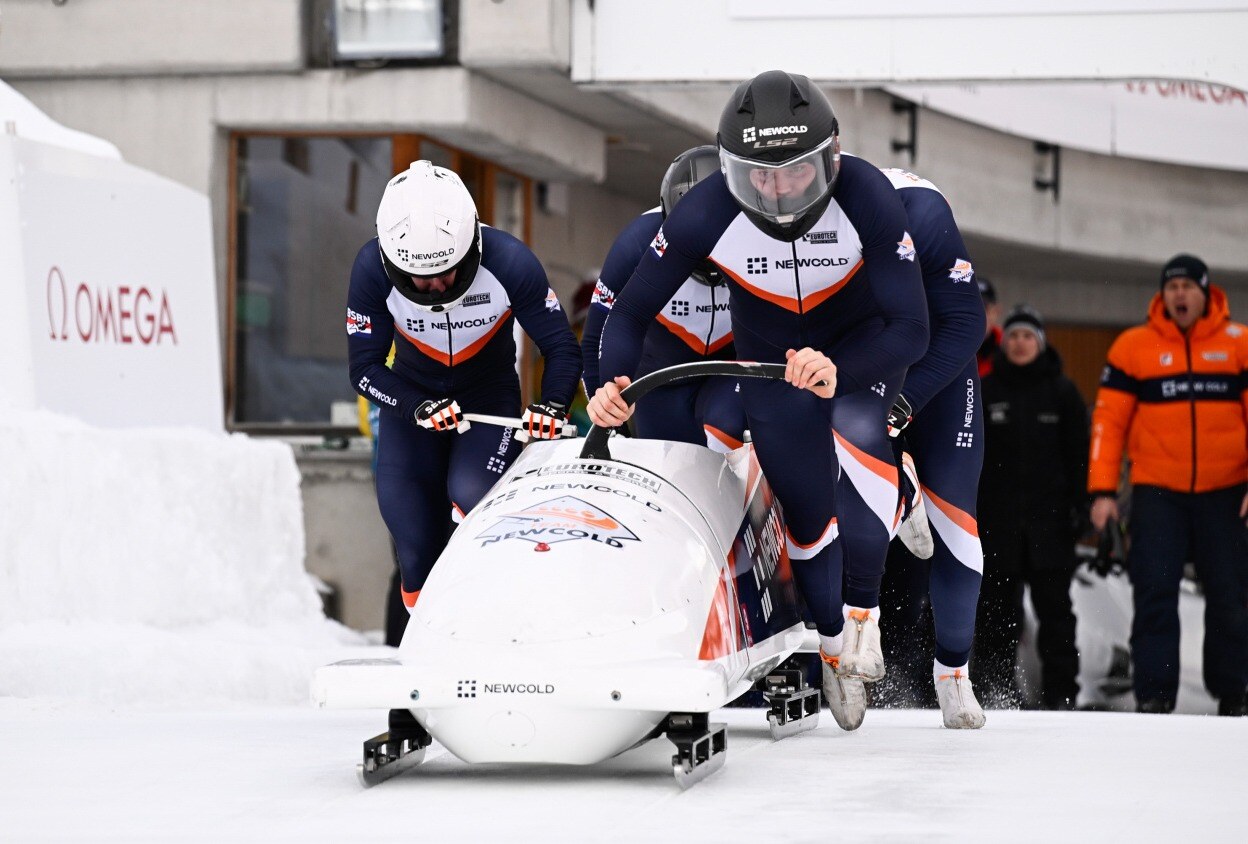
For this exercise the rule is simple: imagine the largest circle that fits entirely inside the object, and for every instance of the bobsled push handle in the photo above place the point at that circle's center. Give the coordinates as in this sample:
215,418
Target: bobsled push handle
568,430
596,441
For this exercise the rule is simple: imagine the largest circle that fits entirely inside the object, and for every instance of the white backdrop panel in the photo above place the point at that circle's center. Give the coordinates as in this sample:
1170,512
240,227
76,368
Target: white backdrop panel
120,292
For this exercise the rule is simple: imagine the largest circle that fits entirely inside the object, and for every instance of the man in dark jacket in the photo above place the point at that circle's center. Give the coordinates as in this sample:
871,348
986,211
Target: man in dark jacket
1031,500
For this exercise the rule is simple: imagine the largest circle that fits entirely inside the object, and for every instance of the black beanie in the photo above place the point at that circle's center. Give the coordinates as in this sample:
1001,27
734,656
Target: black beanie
1025,316
986,291
1186,266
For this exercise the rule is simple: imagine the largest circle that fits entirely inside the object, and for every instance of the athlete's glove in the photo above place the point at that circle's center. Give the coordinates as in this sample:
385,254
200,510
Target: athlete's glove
440,415
544,421
899,416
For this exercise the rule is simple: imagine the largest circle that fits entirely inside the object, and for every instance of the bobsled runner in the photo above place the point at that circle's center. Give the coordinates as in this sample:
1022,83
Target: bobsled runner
602,593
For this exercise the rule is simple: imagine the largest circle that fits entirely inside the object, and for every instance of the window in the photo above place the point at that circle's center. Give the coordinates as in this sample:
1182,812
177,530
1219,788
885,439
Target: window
301,208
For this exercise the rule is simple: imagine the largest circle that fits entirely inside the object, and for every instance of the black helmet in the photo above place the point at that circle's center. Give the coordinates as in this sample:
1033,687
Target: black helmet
779,152
689,168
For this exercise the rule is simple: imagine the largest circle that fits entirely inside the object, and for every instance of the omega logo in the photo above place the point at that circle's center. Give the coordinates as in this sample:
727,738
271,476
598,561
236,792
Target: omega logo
121,314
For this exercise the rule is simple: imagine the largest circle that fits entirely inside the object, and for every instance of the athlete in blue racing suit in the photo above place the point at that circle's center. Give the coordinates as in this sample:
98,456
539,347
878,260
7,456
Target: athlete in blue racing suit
447,292
822,279
940,417
695,325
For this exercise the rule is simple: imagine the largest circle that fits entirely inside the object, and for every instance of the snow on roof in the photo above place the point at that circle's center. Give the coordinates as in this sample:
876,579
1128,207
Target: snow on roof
23,118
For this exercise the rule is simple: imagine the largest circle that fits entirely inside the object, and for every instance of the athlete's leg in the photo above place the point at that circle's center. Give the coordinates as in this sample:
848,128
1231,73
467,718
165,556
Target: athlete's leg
667,413
481,455
412,466
792,436
719,408
947,442
867,498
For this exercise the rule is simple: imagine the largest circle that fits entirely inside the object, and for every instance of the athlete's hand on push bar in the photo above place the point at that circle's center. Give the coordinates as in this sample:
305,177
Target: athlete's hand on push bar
441,415
810,370
544,421
606,408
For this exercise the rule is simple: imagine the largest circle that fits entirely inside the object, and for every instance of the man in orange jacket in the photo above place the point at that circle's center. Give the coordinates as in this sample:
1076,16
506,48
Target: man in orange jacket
1175,391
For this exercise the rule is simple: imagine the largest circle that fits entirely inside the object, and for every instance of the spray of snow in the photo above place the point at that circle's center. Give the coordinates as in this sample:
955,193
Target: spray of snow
154,568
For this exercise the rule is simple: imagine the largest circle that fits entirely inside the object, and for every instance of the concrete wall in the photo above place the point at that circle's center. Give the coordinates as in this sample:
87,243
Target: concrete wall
348,545
119,37
573,243
510,33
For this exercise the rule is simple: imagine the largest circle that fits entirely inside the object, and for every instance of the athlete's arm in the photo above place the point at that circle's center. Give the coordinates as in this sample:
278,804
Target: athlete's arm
896,282
538,311
685,238
370,333
954,307
618,267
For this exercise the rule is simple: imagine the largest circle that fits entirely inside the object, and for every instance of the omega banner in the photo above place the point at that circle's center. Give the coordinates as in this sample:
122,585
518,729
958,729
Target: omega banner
120,294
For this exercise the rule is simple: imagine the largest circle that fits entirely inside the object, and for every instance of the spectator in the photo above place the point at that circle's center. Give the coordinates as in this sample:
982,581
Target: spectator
992,330
1173,393
1031,499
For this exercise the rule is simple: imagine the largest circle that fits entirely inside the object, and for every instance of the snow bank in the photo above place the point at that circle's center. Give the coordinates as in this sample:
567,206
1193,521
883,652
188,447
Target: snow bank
153,567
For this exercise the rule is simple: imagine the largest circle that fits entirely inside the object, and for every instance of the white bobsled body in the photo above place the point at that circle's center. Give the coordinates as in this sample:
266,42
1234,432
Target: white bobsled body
582,601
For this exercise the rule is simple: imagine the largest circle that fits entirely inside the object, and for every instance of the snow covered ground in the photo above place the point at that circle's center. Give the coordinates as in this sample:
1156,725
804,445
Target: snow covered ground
286,774
158,635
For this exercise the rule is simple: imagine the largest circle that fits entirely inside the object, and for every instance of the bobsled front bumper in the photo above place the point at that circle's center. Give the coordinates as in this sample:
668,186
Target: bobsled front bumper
511,714
663,685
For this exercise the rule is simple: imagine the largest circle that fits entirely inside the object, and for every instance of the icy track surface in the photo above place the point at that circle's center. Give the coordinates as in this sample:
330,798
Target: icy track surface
288,775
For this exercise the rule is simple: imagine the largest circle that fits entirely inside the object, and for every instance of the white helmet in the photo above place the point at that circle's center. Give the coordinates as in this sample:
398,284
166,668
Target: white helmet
427,226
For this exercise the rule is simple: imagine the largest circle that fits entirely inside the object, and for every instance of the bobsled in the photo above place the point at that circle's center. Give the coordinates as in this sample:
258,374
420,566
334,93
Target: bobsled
604,592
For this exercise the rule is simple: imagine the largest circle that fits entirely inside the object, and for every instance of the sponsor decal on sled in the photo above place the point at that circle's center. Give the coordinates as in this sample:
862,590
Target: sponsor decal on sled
562,519
620,473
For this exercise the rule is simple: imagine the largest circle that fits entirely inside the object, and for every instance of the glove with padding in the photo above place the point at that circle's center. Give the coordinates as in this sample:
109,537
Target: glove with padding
440,415
899,416
544,421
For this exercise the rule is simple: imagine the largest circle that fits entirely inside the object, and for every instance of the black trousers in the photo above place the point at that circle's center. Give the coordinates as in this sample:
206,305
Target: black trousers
1044,561
1167,530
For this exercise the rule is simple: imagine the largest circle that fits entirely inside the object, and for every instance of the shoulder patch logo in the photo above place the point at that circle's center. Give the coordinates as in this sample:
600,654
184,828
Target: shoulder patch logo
961,271
358,323
905,247
1167,358
602,295
659,244
552,301
1234,330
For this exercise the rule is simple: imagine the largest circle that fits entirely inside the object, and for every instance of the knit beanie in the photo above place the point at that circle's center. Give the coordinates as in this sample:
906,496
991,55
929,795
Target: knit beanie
1025,317
1186,266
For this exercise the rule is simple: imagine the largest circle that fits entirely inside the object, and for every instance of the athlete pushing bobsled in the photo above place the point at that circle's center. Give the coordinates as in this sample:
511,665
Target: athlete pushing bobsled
584,604
819,261
596,598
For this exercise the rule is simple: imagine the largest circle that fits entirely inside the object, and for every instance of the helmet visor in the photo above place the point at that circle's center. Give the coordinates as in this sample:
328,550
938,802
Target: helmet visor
436,296
780,192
